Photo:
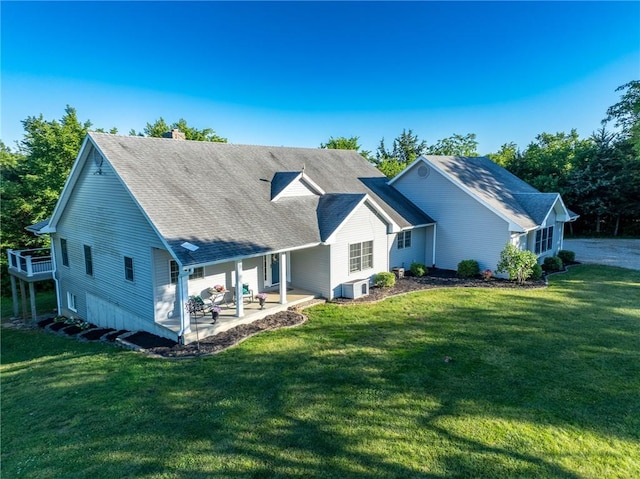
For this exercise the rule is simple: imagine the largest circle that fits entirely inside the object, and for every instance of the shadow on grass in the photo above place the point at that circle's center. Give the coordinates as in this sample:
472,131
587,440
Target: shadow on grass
359,392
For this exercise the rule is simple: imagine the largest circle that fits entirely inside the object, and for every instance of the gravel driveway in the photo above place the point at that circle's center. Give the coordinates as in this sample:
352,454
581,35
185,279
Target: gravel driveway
611,252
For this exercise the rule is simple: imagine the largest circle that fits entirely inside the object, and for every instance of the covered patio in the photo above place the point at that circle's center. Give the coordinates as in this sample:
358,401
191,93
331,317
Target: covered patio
201,324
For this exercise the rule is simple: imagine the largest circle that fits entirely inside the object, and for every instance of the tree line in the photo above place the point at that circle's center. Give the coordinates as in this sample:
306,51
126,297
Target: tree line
598,176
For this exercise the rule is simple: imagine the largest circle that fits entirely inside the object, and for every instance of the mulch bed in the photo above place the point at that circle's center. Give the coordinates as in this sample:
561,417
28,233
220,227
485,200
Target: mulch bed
111,337
95,334
72,330
438,278
155,345
231,337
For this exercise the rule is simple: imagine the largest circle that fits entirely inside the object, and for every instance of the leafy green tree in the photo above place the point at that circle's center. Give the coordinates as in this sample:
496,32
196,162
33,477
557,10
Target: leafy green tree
158,128
507,155
343,143
455,145
626,113
33,177
406,148
548,161
607,185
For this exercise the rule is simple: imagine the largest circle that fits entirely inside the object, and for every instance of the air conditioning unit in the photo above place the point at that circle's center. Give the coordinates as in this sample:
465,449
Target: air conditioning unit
355,289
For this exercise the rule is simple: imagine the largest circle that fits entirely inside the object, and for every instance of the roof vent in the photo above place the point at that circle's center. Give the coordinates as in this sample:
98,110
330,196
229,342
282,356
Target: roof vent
174,134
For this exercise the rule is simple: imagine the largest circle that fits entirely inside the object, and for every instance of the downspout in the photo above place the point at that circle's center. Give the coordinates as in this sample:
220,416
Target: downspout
433,257
183,293
55,276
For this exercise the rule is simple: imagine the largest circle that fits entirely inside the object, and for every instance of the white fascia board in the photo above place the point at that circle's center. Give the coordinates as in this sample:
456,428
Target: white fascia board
406,168
366,199
312,183
255,255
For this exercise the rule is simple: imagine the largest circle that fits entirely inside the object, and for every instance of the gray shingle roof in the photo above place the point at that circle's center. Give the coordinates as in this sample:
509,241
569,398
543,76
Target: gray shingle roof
507,194
217,195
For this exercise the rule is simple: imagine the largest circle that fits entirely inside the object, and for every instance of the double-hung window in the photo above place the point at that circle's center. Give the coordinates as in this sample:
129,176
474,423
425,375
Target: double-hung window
544,240
64,253
360,256
88,260
71,302
128,268
404,239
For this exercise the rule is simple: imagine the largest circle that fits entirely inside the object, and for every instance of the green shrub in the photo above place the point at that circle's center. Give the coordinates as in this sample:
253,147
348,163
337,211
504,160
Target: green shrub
384,279
418,269
551,264
519,264
468,268
537,272
566,256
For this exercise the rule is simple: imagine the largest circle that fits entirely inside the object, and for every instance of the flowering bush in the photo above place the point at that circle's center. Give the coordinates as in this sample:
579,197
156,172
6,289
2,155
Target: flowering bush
216,309
261,296
487,274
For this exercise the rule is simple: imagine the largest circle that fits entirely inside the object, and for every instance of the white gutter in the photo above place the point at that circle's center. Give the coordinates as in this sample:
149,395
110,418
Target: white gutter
433,258
55,276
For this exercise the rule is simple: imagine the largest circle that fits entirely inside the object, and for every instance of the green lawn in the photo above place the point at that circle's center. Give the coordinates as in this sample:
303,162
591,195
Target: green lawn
45,303
543,383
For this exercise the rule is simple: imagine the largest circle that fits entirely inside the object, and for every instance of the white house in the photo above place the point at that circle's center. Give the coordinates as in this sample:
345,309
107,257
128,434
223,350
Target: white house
144,223
479,206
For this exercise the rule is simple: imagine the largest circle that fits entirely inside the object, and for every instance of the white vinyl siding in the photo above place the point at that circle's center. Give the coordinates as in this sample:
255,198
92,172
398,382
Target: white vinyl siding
101,214
298,187
363,226
466,229
403,257
310,269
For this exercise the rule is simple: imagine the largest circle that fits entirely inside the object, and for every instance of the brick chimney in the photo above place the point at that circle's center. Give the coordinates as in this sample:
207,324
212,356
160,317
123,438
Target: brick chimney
174,134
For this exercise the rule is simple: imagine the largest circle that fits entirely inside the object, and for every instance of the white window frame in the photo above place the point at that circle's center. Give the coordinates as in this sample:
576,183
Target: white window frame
543,240
174,272
359,260
72,303
404,239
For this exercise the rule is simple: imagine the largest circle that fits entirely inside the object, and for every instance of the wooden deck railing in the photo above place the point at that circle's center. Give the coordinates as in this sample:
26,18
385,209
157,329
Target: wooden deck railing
30,261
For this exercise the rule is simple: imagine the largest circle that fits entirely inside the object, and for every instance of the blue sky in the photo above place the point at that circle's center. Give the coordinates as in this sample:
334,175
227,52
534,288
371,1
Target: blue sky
297,73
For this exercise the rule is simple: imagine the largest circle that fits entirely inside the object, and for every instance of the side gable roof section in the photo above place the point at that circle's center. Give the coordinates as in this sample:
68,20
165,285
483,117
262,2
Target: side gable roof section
335,210
506,195
74,175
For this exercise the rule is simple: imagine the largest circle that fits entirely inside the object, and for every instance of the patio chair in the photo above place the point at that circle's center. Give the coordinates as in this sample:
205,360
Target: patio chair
246,293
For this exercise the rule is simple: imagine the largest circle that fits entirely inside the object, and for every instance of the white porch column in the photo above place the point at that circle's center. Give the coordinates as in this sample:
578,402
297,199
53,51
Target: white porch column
239,300
183,292
283,278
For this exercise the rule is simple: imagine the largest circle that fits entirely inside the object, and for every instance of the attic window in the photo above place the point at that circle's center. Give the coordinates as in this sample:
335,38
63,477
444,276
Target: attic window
423,171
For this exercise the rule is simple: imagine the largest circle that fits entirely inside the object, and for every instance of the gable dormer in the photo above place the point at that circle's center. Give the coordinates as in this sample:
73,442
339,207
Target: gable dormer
292,184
